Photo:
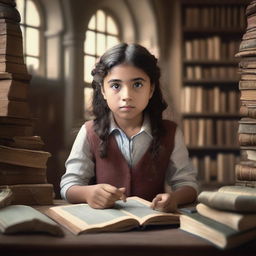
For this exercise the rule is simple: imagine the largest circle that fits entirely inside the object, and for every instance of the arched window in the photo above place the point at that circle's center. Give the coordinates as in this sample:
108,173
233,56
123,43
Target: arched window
102,33
31,28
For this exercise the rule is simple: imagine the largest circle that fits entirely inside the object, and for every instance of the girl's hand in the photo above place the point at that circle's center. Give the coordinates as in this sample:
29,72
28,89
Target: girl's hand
104,195
165,202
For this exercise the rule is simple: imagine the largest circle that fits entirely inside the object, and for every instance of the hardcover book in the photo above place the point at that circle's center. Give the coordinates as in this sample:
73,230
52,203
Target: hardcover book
218,234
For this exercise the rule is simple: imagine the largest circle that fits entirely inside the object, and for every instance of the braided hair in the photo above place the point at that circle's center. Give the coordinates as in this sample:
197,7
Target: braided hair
139,57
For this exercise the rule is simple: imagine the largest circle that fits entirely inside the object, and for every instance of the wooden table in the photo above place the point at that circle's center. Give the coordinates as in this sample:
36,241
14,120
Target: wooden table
169,241
160,242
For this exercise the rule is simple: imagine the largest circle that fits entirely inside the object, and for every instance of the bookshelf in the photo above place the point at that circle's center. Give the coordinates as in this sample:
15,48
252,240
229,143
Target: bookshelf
211,35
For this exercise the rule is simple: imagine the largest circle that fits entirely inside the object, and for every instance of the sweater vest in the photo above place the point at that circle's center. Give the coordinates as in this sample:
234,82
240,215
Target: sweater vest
147,178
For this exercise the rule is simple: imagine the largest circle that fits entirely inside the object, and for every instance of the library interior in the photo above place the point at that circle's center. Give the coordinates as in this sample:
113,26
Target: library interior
206,51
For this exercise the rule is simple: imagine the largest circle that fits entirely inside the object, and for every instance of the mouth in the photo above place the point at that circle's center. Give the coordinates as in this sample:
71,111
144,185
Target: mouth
127,107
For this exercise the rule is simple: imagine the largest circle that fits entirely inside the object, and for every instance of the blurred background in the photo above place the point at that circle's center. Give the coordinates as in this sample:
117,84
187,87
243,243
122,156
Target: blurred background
195,42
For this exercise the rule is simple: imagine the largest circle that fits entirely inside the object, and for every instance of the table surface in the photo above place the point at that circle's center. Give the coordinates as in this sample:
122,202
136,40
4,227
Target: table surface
152,241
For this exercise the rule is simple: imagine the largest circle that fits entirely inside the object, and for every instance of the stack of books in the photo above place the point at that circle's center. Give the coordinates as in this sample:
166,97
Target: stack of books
245,170
225,217
22,160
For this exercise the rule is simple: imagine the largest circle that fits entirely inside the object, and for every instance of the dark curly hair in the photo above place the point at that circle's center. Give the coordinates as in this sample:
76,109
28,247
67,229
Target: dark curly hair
140,57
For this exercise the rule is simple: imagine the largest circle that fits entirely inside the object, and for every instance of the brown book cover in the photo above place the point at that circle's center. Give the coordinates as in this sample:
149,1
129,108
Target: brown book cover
247,84
13,67
10,27
13,90
10,58
247,125
32,194
247,139
13,174
26,142
11,45
24,157
246,170
247,94
9,131
14,108
15,76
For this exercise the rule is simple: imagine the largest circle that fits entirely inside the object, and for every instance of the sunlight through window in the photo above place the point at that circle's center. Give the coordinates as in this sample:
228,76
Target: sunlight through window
30,26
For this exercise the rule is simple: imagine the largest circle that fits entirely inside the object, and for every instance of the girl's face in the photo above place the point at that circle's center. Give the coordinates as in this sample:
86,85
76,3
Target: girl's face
127,90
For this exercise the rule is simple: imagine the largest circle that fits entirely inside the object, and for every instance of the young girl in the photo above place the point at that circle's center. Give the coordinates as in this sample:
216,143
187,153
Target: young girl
128,149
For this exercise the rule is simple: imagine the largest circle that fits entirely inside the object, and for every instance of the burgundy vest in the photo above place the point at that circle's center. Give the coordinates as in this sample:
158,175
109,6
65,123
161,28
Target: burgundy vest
146,179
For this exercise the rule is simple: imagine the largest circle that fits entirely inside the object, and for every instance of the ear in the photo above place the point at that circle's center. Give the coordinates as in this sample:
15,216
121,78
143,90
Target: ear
152,89
103,92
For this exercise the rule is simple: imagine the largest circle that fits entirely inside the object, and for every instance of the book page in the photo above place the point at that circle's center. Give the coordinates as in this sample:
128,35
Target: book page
140,209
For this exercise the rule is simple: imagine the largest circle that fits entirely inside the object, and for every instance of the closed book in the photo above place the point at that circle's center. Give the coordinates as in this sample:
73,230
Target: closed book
13,90
250,151
13,175
245,139
247,85
14,108
10,58
8,131
247,125
16,76
26,142
248,94
32,194
246,170
11,45
23,218
247,44
230,198
9,27
24,157
13,67
237,221
217,233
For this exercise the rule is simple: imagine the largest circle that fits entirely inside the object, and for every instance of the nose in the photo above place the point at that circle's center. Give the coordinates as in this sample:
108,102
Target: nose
126,93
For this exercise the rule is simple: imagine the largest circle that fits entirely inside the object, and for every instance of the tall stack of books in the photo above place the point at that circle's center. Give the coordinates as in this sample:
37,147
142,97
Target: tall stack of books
245,170
226,217
22,160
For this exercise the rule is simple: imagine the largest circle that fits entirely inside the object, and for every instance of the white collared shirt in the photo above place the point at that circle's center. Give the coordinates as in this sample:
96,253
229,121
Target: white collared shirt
80,166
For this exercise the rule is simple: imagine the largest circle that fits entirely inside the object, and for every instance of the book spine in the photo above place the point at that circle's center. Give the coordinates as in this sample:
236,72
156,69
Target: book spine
245,172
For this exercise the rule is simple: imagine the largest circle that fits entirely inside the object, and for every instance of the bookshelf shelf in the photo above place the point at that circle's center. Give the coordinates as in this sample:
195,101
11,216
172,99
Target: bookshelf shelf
211,35
215,148
210,81
212,115
231,62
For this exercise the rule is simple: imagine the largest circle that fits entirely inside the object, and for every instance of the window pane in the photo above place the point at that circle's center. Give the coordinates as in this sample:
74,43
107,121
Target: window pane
111,41
32,63
32,42
32,14
92,23
88,66
111,26
89,46
101,44
100,21
20,8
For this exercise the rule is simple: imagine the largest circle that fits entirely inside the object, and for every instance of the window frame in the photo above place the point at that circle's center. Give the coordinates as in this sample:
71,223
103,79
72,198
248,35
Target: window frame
41,43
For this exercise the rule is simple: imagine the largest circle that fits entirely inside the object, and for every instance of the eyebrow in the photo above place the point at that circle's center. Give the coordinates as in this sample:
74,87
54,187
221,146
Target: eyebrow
131,80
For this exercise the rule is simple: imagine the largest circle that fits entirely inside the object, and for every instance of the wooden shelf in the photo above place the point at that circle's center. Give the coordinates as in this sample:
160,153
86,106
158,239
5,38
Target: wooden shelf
233,62
214,148
211,81
215,31
212,115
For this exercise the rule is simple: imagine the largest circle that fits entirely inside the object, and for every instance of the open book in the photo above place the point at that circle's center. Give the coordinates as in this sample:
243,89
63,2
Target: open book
22,218
136,212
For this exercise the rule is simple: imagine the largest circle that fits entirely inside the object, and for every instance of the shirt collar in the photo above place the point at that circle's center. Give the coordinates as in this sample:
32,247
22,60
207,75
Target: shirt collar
146,127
